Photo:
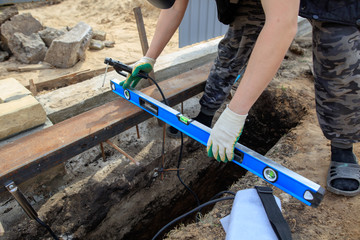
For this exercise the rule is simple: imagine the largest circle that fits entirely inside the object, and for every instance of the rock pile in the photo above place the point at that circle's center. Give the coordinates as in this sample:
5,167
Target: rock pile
30,42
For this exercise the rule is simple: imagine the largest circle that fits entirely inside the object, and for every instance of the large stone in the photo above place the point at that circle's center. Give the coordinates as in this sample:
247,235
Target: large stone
27,49
20,110
67,50
49,34
6,12
23,23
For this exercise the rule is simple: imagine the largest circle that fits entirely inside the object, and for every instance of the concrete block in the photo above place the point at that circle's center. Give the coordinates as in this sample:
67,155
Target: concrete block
19,110
49,34
19,115
11,89
12,139
99,35
28,49
96,44
6,12
67,102
67,50
23,23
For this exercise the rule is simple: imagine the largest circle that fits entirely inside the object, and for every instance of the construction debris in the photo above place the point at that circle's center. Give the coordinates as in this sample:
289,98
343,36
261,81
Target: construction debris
28,48
109,44
96,44
99,41
49,34
66,50
31,43
23,23
99,35
7,12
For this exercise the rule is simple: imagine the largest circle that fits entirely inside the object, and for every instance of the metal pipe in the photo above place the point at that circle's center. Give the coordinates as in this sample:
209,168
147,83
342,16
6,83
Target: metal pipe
20,198
102,152
137,131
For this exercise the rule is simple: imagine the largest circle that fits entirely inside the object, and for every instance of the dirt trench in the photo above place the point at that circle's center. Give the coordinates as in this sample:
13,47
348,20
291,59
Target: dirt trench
124,201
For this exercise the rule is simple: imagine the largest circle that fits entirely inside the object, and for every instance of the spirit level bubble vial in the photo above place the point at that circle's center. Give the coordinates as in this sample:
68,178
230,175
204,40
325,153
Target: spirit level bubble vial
270,174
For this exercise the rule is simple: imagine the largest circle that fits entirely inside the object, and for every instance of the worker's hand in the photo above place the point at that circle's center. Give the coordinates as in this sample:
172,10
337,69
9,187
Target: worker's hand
225,133
145,64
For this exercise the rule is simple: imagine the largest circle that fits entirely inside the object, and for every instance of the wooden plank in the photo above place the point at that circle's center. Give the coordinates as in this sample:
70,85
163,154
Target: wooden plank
32,87
32,67
142,35
141,29
69,79
38,152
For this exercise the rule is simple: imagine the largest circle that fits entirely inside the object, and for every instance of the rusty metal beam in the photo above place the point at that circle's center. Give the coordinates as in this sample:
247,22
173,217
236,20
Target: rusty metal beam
38,152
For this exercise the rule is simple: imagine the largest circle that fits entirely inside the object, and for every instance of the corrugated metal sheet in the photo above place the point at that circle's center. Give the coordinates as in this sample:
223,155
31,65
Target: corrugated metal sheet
200,23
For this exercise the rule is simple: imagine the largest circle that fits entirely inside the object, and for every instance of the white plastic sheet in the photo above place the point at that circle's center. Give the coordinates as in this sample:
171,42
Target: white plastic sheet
248,219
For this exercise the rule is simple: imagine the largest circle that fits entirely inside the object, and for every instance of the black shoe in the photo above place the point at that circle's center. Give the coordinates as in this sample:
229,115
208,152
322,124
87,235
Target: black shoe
343,155
344,172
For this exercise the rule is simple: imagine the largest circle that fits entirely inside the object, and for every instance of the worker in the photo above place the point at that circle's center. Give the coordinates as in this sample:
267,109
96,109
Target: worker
260,32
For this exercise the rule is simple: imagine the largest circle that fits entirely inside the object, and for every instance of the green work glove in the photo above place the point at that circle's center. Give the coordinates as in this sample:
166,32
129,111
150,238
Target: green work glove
225,133
145,64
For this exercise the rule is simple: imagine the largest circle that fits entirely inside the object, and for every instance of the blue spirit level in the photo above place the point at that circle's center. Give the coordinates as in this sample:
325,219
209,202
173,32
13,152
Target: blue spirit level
292,183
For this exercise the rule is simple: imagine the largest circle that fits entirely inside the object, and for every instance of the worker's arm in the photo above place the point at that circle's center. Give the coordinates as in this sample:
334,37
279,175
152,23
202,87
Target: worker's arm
269,51
270,48
168,22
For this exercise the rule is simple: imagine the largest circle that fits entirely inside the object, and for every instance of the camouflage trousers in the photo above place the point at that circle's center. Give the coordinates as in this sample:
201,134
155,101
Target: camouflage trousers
336,61
233,53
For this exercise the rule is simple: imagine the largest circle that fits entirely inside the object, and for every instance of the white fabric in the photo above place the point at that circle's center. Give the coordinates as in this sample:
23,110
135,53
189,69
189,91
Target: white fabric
248,219
225,133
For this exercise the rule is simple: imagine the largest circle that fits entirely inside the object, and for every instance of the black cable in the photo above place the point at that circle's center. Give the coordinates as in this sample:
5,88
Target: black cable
221,193
157,85
199,207
190,212
178,170
47,228
181,145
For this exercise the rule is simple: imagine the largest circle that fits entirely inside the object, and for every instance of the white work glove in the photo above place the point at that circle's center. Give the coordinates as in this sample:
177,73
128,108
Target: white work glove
225,133
145,64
